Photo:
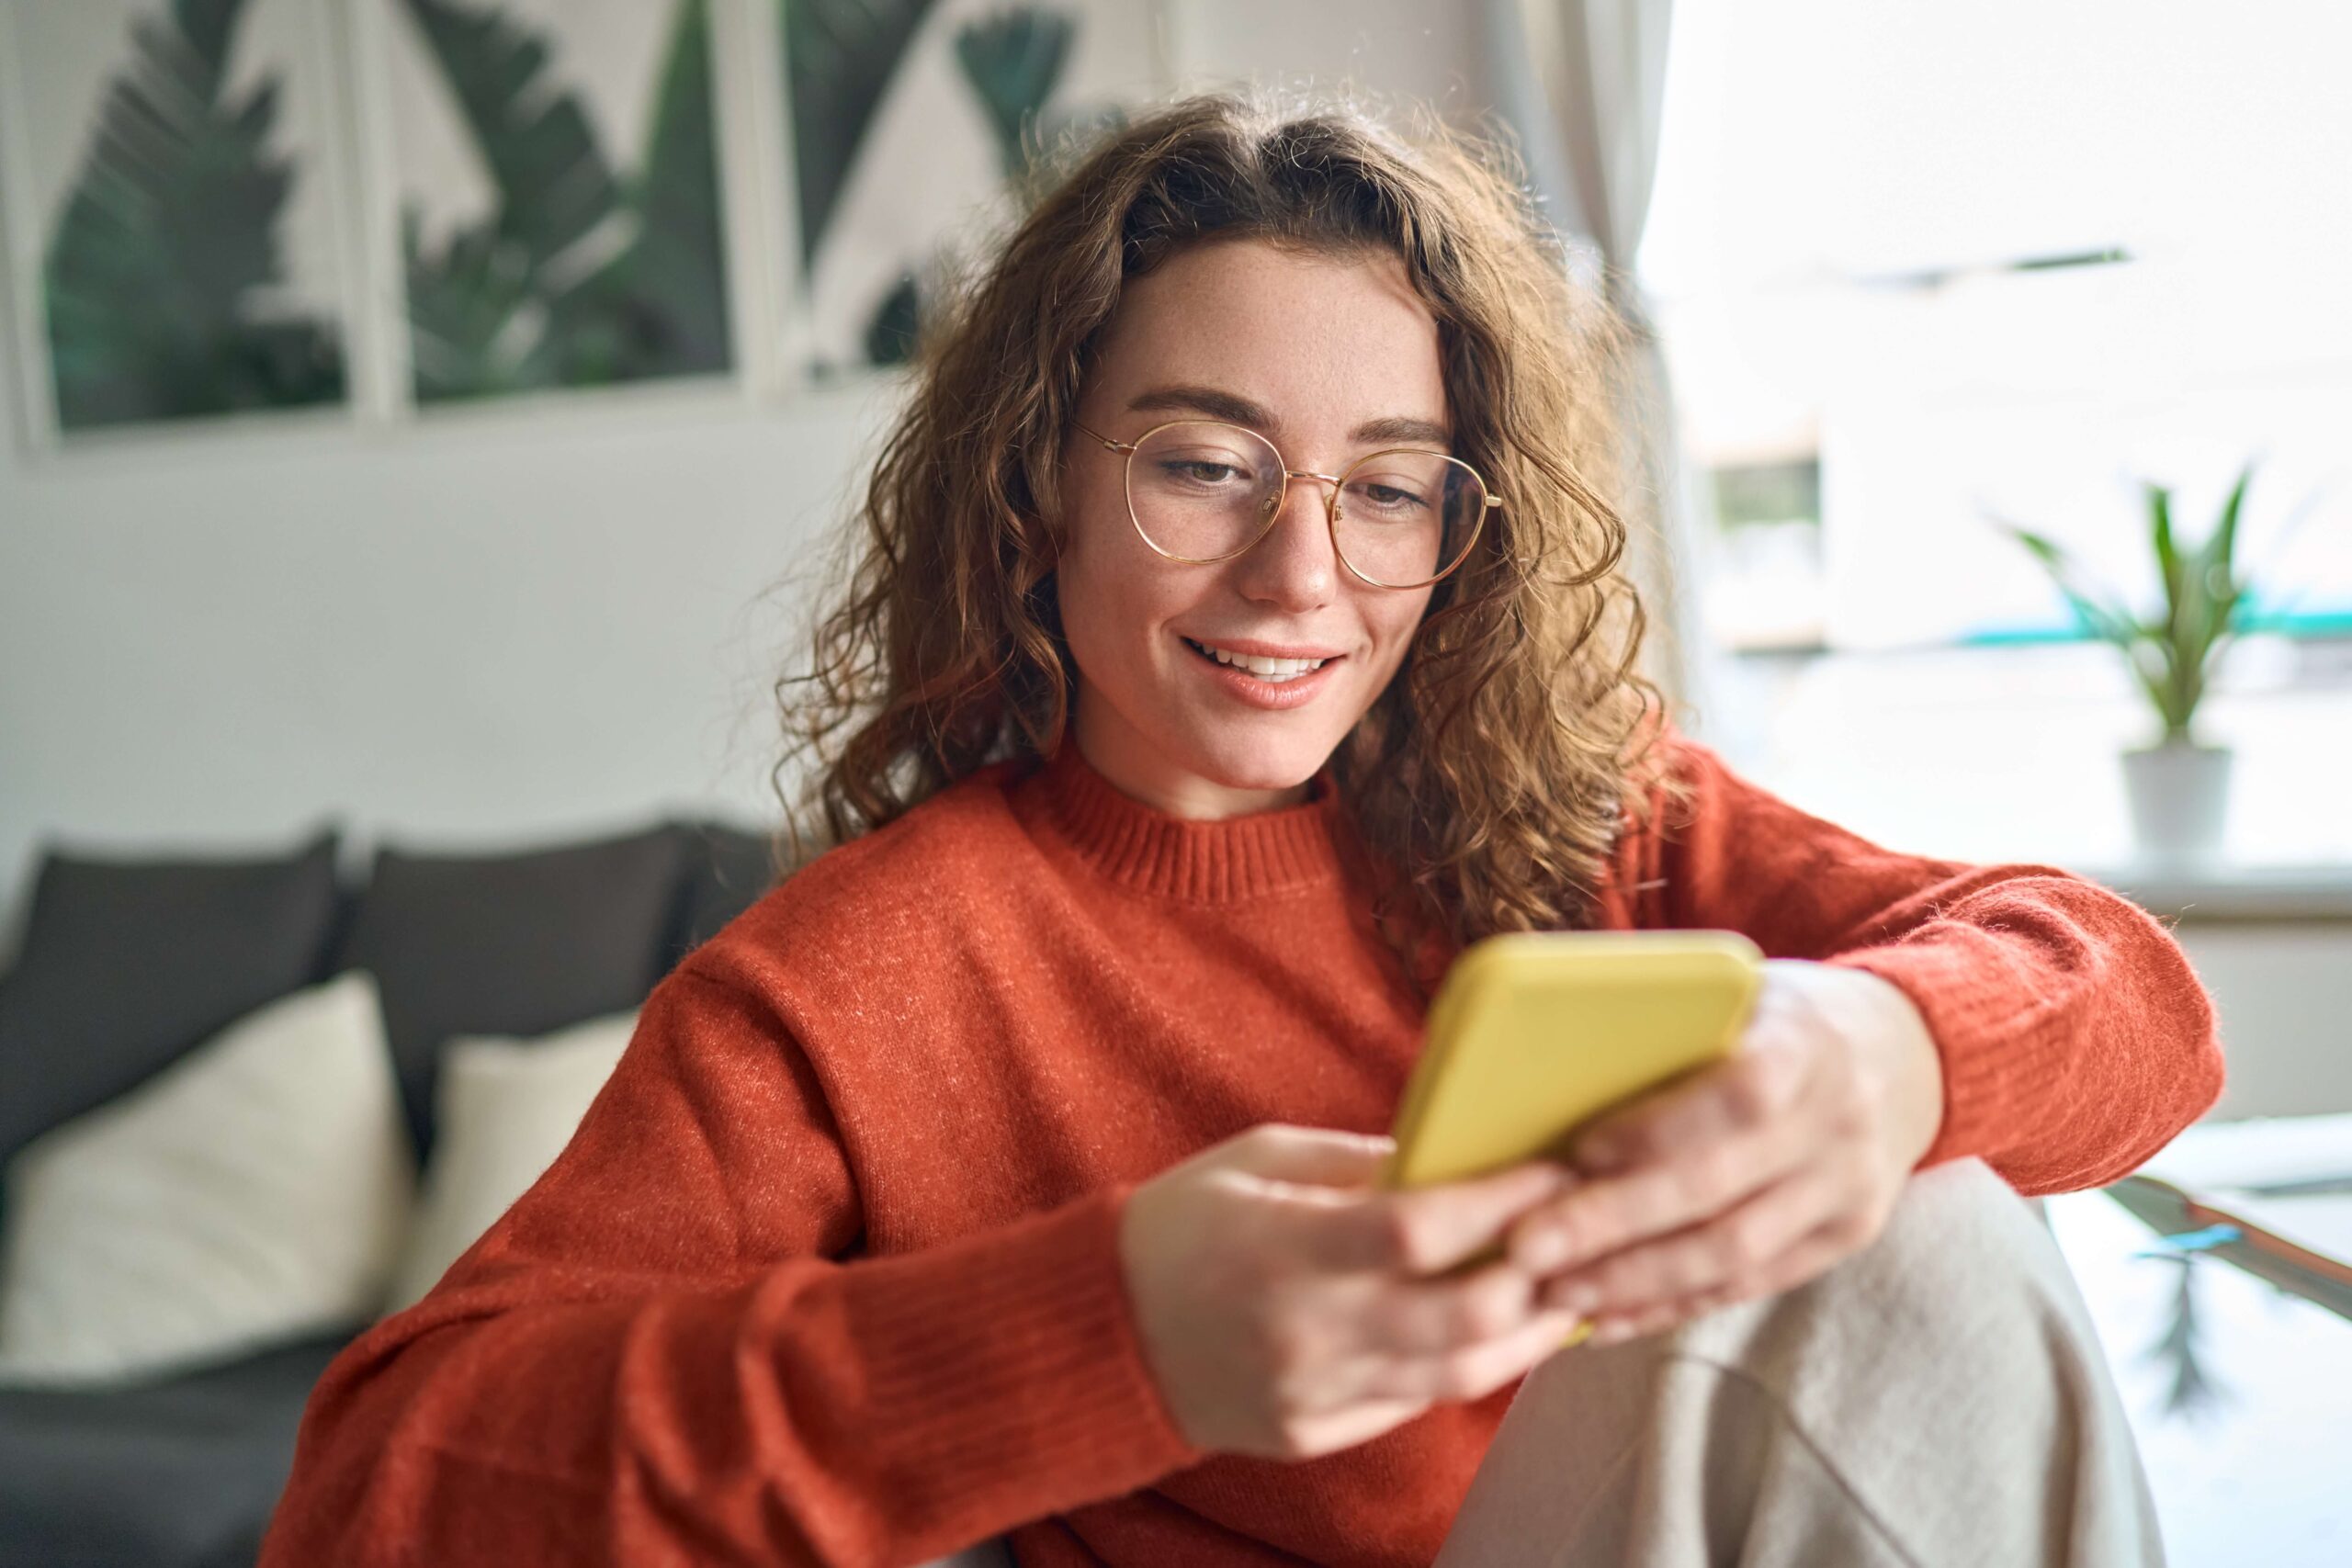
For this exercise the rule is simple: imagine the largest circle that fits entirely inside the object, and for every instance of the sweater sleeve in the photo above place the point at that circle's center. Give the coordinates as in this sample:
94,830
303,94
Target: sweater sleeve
2075,1039
668,1350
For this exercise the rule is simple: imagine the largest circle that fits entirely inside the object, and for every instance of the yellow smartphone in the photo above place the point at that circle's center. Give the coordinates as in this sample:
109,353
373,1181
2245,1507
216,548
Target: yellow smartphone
1534,1034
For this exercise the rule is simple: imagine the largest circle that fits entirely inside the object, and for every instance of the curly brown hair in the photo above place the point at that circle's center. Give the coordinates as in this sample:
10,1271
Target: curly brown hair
1490,781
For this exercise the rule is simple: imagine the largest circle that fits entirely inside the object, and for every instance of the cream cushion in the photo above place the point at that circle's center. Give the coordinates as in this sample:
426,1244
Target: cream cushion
255,1190
502,1110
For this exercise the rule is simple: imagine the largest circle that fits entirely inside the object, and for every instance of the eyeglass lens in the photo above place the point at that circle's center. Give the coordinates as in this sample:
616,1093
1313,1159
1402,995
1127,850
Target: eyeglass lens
1202,490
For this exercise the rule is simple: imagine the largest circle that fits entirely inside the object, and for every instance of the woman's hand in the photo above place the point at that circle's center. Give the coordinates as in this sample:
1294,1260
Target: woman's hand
1753,1176
1286,1305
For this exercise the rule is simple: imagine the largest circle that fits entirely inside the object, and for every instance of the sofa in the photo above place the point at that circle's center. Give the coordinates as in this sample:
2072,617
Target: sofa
128,966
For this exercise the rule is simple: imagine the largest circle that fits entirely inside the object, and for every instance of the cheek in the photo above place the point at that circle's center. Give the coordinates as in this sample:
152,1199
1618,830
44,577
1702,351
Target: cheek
1396,625
1110,598
1079,571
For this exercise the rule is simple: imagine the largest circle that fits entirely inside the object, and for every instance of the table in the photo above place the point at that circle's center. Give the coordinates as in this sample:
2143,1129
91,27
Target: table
2239,1390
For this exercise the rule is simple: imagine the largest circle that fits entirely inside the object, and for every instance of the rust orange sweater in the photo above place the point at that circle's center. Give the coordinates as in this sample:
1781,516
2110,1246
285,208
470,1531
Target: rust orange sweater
829,1273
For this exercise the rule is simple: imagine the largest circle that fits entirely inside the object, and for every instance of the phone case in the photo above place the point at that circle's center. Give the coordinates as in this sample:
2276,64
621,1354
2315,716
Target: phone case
1532,1035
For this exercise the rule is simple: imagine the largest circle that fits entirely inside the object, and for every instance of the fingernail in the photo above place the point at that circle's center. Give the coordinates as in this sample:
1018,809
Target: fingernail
1542,1253
1615,1331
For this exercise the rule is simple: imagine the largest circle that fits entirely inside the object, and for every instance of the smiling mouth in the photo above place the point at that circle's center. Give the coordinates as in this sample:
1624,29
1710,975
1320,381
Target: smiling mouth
1273,671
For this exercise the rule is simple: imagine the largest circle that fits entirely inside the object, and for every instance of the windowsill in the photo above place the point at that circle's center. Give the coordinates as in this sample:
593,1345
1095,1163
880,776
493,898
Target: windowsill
2012,755
2215,892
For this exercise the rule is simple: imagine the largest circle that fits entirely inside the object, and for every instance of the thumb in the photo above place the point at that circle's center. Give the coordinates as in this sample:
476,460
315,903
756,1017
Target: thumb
1314,1157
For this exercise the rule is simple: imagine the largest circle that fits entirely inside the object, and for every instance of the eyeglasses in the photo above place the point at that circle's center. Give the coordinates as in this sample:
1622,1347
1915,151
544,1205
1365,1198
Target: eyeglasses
1201,491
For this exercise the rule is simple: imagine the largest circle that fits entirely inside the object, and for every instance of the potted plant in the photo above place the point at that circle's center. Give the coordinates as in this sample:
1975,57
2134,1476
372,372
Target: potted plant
2179,787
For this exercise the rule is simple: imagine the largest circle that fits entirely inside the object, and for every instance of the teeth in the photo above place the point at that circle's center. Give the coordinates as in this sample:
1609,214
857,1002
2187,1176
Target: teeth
1272,669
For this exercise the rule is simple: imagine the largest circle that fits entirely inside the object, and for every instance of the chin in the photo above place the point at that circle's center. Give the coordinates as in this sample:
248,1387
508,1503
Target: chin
1257,764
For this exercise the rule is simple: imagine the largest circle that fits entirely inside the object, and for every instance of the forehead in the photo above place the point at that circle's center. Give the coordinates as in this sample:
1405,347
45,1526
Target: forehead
1313,338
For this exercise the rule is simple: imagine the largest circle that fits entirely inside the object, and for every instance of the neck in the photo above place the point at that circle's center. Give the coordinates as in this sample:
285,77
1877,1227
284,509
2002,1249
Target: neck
1151,850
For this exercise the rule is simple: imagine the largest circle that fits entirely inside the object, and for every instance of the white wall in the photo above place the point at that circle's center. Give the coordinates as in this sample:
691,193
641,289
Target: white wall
505,626
2282,991
515,623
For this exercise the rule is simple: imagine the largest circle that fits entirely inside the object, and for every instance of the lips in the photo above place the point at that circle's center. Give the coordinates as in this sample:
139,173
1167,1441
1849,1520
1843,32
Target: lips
1276,692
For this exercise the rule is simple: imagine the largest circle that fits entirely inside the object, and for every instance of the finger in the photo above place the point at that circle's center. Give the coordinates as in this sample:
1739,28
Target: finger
1429,1317
1735,1246
1423,1230
1600,1216
1755,1088
1813,1255
1653,1319
1466,1371
1822,1249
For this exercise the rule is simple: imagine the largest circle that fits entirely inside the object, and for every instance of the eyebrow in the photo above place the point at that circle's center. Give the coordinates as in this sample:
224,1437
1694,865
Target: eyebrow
1239,410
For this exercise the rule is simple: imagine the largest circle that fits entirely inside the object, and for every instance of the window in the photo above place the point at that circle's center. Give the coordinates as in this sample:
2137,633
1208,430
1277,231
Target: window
1919,267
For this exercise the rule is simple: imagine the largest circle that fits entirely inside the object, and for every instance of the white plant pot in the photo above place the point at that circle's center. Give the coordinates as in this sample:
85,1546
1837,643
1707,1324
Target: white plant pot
2181,797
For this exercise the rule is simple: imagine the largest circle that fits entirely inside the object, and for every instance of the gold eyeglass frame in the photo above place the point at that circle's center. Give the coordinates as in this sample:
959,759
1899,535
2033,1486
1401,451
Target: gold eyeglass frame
1338,483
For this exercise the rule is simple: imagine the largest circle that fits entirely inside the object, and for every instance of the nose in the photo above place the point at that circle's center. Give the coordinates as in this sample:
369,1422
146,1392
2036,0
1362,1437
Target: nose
1293,567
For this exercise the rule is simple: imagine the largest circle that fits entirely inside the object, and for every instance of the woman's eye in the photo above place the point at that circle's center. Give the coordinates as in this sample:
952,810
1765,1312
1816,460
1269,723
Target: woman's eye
1391,498
1199,470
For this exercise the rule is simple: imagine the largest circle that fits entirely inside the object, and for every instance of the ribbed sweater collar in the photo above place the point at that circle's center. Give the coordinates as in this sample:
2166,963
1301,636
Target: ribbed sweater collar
1143,847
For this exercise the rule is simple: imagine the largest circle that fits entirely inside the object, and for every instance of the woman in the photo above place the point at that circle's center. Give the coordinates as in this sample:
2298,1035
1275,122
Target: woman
1237,632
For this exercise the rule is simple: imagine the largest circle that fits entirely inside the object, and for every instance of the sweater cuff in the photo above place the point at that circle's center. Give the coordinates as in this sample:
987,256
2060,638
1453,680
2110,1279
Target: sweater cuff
1993,1059
1007,1369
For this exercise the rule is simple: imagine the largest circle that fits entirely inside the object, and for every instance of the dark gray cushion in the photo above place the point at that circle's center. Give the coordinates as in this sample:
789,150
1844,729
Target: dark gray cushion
510,944
126,963
176,1474
728,870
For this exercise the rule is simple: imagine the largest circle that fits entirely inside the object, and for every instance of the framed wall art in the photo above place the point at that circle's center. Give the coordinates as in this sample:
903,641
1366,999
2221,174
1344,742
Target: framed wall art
912,124
366,211
175,221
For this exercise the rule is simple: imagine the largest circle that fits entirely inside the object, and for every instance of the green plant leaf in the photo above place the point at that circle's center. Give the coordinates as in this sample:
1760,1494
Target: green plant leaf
2174,660
2168,563
555,188
2211,622
2144,654
2106,620
209,27
576,279
2222,547
662,305
488,312
2152,666
476,327
838,56
2188,611
1012,60
165,250
2217,561
893,331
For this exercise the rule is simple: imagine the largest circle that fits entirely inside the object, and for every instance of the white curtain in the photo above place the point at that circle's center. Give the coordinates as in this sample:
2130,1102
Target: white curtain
1583,83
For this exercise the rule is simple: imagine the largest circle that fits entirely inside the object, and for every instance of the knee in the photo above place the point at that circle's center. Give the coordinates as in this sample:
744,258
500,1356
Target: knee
1946,1378
1958,1242
1962,1264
